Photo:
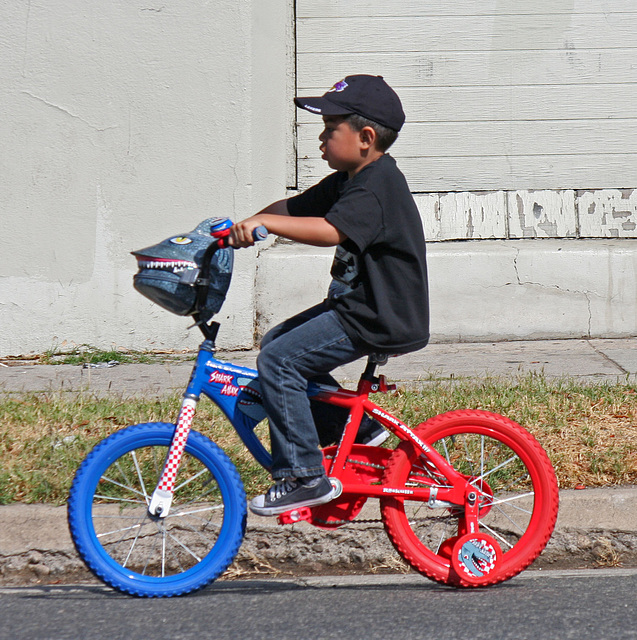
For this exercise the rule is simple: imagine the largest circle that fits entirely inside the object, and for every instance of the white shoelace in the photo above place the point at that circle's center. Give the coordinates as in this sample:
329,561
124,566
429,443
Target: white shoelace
281,488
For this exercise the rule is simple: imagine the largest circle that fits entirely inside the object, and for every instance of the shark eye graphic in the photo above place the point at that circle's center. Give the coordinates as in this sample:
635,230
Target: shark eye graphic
180,240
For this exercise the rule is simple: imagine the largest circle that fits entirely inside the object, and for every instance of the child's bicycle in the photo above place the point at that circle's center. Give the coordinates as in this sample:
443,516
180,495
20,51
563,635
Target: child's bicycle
467,498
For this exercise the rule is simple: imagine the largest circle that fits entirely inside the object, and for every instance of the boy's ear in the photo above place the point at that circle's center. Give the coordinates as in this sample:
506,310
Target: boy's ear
367,136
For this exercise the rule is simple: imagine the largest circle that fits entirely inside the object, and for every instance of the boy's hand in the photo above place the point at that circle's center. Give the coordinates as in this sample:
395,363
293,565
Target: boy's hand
241,232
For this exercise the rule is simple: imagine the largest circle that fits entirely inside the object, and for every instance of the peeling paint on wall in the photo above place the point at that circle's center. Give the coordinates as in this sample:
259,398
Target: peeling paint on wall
605,213
608,213
463,216
542,214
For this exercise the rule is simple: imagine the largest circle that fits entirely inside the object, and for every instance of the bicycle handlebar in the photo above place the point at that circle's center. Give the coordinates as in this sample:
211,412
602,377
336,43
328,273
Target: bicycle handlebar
258,234
203,279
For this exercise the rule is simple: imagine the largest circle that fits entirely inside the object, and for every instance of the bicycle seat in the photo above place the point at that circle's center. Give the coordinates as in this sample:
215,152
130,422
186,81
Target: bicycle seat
380,358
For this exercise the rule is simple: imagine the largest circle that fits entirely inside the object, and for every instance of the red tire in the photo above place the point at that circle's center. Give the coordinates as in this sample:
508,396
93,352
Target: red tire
510,470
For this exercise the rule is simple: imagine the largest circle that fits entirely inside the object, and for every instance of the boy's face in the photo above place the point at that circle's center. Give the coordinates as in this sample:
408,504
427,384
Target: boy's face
342,147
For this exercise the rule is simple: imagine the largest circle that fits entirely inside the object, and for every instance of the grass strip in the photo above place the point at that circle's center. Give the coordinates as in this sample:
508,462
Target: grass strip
589,431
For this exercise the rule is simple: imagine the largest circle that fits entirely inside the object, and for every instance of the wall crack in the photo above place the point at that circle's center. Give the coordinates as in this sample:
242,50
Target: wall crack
69,113
583,292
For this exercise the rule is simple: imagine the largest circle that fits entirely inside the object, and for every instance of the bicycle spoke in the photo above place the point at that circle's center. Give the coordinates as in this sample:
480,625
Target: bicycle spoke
184,547
176,560
198,532
156,466
194,523
120,530
511,499
498,535
119,484
130,551
181,514
106,516
118,499
495,469
163,553
192,479
152,552
140,477
200,497
123,473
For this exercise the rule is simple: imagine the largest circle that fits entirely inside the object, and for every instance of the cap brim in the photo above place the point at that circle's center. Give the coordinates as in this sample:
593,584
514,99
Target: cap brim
321,106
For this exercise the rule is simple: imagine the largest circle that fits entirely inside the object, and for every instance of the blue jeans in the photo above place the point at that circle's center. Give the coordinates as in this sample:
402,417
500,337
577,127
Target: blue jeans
306,347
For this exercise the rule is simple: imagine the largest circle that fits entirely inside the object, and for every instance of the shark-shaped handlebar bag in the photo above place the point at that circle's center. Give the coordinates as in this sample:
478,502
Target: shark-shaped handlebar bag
170,272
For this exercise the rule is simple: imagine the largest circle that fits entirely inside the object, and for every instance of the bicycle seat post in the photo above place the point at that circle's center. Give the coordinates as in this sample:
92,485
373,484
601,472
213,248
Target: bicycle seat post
370,369
369,381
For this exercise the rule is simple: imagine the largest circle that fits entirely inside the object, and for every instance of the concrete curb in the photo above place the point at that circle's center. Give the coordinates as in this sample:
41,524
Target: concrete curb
596,527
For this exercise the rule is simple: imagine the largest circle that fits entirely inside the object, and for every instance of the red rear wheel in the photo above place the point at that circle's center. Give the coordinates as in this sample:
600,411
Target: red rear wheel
513,477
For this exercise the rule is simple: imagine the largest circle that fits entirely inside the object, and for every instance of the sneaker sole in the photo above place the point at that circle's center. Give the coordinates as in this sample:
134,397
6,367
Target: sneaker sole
275,511
378,440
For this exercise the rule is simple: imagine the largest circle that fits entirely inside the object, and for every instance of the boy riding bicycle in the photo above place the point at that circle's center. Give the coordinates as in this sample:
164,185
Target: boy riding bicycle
378,299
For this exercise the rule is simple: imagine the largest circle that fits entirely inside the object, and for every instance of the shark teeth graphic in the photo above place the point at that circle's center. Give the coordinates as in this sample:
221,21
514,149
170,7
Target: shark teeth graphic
249,395
165,264
250,400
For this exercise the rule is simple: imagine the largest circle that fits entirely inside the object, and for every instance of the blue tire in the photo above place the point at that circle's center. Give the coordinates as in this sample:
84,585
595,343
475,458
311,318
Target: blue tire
143,555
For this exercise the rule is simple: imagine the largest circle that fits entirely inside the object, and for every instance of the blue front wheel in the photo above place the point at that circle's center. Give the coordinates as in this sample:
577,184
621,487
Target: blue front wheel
143,555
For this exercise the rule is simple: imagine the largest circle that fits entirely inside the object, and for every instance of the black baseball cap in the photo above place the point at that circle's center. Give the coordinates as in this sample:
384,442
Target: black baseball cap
368,96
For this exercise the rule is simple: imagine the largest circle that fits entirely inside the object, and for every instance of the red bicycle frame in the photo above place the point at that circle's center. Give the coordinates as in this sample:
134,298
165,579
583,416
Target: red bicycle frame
457,490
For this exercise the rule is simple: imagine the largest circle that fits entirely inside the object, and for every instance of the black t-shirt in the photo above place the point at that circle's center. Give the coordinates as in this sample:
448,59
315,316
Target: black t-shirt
381,268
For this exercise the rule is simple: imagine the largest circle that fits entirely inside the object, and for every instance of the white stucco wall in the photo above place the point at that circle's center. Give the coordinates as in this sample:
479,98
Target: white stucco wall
486,290
124,123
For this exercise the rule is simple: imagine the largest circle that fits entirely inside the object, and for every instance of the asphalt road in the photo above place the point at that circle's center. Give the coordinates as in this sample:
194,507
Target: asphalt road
587,605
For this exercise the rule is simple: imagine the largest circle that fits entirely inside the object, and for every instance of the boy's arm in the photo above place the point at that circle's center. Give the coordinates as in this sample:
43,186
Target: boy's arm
279,208
276,219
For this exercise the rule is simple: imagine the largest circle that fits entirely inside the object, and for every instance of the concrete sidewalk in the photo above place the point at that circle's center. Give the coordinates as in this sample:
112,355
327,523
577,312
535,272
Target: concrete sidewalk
594,360
595,526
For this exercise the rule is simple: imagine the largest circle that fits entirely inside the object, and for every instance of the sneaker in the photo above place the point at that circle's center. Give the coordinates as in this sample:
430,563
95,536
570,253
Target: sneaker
292,493
371,432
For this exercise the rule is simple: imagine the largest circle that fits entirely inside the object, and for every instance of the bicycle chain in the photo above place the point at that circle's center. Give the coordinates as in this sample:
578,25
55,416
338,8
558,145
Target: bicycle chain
343,522
361,463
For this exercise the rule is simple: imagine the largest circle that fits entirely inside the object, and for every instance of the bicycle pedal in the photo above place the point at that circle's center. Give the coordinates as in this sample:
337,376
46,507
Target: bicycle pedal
295,515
